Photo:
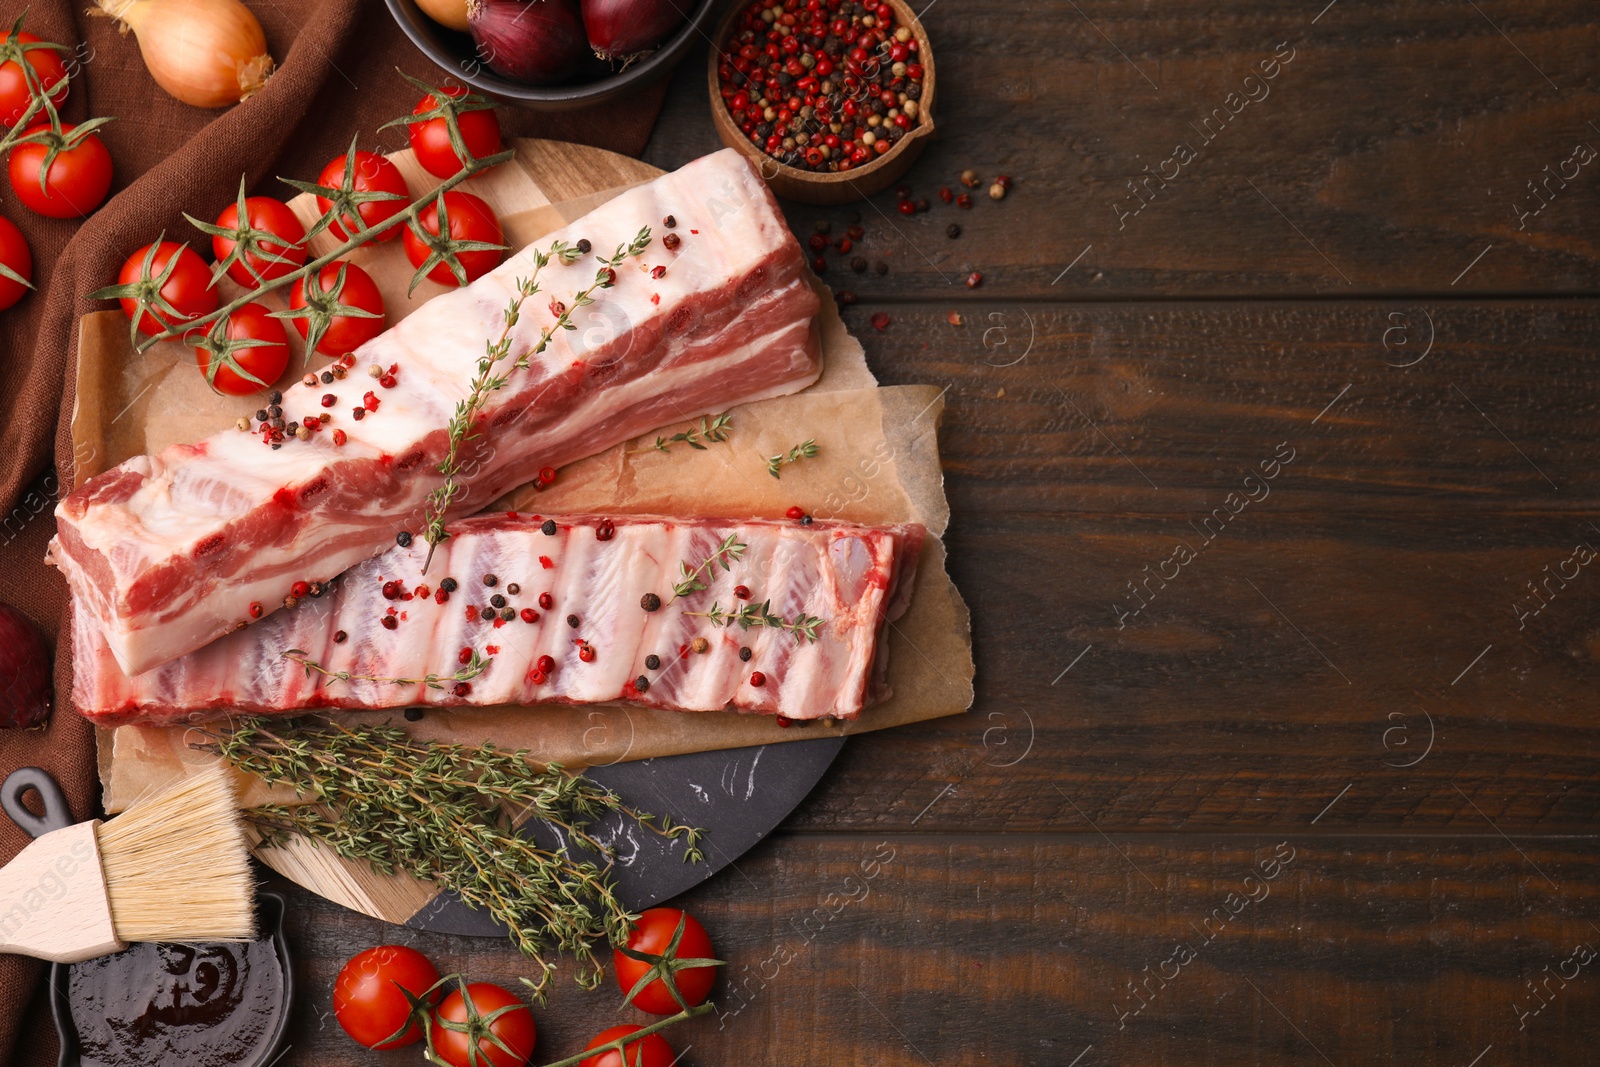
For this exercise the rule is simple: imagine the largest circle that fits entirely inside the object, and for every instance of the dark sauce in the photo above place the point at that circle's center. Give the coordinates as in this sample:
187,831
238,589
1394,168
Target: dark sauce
208,1005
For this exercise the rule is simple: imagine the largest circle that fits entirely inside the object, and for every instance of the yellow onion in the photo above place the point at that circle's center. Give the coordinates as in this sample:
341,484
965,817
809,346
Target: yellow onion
209,53
451,13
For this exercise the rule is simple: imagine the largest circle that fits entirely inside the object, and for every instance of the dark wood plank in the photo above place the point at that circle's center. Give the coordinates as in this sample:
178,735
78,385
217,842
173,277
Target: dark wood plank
1391,150
1030,949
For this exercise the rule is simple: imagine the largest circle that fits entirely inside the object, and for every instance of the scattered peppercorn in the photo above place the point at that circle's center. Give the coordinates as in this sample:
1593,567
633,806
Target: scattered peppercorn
490,580
486,613
413,714
819,265
880,320
358,413
340,437
906,207
310,380
584,246
315,589
969,178
586,652
388,381
391,590
340,637
548,528
795,512
641,683
274,397
653,661
922,204
448,585
974,280
339,371
745,654
945,195
881,267
546,664
462,689
605,530
529,615
953,230
243,424
608,277
403,539
845,297
650,602
953,318
326,377
513,589
806,520
498,601
546,601
742,592
843,245
964,202
658,272
758,679
859,265
700,646
572,621
290,601
997,191
537,677
671,242
669,222
1004,182
273,410
547,475
818,242
507,614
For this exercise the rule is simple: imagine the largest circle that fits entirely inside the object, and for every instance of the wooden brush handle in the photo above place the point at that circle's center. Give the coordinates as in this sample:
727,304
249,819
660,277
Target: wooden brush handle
53,902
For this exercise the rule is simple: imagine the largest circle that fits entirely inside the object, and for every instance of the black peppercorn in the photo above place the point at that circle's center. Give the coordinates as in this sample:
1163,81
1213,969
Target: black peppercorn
881,267
549,528
650,602
805,520
653,661
953,230
490,580
641,683
340,637
513,589
584,246
448,585
572,621
403,539
507,614
261,414
317,589
859,265
413,714
358,413
498,601
274,411
669,222
922,204
326,377
486,614
274,397
745,654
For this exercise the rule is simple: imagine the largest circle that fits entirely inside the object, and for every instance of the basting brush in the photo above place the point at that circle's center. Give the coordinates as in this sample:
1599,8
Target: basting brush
172,867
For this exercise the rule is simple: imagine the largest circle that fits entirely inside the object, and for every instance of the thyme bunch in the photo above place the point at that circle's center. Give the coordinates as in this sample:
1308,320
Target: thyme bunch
803,627
446,813
464,422
474,667
806,449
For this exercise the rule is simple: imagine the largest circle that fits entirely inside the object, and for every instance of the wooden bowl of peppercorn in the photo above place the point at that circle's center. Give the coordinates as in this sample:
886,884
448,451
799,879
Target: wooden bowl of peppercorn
804,164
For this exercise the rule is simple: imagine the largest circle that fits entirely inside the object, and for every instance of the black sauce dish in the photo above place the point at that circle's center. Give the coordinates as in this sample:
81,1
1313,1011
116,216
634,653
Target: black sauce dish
595,83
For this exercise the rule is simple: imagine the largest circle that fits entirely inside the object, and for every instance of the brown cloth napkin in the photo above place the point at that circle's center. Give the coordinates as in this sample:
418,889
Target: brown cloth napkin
336,77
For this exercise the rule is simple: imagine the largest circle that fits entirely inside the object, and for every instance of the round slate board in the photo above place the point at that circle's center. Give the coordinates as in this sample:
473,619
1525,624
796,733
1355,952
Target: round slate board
736,796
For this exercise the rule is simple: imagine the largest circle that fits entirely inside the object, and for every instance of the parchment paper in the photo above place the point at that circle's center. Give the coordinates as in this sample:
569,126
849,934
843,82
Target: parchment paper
878,462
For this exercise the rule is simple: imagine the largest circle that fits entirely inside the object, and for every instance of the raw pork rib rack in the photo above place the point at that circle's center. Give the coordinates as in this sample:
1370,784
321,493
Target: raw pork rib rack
167,552
854,579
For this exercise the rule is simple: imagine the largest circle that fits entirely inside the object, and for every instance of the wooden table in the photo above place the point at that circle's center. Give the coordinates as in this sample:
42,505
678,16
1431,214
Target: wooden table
1320,786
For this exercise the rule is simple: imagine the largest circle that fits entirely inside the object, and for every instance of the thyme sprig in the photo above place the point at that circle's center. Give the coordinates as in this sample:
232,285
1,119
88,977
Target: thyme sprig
464,422
447,813
803,627
474,667
713,430
691,579
806,449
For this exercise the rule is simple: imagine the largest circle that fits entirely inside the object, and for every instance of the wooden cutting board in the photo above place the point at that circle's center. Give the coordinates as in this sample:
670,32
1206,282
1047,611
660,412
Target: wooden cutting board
737,795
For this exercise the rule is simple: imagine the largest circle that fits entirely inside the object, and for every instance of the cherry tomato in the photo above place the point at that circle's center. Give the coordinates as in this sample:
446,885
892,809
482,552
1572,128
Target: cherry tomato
430,140
374,174
264,362
515,1028
270,216
367,997
470,220
78,180
15,95
651,1050
652,934
188,289
345,333
15,255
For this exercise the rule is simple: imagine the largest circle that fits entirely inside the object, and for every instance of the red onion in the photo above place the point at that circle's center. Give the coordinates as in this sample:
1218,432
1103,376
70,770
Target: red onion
532,41
621,28
25,688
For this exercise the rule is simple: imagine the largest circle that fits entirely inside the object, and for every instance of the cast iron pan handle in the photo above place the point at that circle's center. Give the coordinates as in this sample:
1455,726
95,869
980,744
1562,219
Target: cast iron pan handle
57,816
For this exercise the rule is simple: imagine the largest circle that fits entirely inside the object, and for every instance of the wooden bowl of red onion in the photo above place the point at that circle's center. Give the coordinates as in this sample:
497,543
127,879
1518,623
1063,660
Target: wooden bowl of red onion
545,55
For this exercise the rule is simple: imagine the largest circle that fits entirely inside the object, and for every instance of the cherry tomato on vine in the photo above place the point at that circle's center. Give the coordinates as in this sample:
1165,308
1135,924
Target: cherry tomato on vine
514,1030
652,936
470,220
373,174
430,140
187,289
265,362
286,239
14,255
15,95
77,181
367,997
651,1050
345,333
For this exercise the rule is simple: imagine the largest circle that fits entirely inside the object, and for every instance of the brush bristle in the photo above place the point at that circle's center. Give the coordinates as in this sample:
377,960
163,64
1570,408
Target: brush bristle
176,865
